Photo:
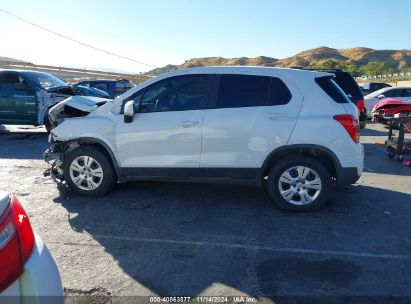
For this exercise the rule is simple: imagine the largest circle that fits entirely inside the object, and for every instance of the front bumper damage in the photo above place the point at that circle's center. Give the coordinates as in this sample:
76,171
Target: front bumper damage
54,156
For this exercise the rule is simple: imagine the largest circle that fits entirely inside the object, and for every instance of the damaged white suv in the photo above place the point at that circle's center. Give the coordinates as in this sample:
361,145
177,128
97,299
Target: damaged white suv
294,131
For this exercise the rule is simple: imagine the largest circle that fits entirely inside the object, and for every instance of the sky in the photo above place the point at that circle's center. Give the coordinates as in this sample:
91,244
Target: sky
160,32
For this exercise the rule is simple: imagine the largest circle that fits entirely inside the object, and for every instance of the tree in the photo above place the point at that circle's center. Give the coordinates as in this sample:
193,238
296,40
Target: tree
375,68
332,64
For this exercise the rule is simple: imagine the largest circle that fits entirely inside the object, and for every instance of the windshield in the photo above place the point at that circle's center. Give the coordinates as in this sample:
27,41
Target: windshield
44,80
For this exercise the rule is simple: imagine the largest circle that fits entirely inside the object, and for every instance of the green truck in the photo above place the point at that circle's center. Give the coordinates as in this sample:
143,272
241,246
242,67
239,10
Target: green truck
26,96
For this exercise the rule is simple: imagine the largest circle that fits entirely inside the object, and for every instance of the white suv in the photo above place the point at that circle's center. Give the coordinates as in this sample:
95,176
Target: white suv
294,131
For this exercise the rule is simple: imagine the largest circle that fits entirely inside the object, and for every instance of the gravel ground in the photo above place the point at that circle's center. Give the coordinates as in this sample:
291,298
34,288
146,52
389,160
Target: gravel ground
181,239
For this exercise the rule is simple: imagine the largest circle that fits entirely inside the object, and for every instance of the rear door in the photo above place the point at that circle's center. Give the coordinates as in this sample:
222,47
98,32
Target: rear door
249,116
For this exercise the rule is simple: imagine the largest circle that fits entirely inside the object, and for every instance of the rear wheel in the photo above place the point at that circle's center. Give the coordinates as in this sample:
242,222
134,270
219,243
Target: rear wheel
299,183
363,120
88,172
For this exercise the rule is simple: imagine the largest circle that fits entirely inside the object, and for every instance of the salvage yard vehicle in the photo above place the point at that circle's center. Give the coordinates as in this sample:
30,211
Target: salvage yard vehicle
398,93
28,272
369,87
294,131
350,87
113,88
26,96
390,107
89,91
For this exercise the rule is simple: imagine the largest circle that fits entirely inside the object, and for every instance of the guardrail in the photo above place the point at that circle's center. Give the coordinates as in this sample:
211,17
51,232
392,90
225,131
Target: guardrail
66,73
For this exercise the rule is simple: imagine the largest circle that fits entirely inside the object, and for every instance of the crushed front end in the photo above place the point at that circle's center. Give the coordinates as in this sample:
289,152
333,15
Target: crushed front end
54,156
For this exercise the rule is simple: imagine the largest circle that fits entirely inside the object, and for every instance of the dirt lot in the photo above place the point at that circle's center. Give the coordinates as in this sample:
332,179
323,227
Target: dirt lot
171,239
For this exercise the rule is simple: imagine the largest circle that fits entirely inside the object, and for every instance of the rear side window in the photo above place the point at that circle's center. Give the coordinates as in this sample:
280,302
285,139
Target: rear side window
122,86
405,93
332,89
101,86
236,91
347,83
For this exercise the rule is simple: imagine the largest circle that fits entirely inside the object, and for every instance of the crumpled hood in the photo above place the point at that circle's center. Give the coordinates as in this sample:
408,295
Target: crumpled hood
75,106
391,102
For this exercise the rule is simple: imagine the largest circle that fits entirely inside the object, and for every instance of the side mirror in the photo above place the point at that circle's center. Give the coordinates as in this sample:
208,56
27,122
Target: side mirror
381,96
129,111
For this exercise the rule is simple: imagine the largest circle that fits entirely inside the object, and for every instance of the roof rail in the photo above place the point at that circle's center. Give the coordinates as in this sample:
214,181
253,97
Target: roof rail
312,69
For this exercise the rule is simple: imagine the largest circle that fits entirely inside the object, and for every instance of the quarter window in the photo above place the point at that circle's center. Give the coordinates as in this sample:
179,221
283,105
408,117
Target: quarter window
279,93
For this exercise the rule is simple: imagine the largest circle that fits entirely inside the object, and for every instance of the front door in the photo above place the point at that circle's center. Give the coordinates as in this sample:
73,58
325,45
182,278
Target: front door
18,102
166,129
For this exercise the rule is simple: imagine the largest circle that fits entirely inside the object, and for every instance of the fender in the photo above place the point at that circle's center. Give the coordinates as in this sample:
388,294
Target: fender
322,153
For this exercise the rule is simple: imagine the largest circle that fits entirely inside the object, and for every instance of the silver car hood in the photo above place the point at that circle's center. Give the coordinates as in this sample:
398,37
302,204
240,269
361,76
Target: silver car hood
75,106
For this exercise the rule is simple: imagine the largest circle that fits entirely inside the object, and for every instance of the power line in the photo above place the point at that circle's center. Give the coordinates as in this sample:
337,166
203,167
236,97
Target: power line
74,40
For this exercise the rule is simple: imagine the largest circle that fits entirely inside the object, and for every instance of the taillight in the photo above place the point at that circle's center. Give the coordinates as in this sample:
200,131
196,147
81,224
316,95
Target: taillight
350,124
360,105
16,242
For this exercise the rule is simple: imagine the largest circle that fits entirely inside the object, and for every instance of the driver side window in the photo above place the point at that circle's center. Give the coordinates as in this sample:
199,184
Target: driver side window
181,93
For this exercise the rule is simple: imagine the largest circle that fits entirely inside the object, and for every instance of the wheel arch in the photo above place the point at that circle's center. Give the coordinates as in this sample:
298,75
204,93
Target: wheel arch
101,146
322,154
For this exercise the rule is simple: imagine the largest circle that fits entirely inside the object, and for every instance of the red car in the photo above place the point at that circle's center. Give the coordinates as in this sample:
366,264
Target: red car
389,107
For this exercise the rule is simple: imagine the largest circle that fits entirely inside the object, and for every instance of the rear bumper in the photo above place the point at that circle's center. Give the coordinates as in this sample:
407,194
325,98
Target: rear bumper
41,277
348,176
40,283
351,161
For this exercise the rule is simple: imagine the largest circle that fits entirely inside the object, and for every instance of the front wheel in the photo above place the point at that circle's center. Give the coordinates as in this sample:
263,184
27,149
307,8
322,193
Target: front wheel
299,183
88,172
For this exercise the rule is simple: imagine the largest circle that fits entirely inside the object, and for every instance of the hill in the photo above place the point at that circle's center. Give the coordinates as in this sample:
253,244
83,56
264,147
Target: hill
396,59
8,59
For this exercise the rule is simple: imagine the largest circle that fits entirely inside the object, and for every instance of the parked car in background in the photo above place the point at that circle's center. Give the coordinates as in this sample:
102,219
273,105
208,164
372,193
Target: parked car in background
398,93
369,87
26,96
114,88
89,91
390,107
28,272
294,131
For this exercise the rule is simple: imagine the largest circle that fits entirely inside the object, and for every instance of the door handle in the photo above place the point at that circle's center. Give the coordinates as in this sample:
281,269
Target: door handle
188,123
275,116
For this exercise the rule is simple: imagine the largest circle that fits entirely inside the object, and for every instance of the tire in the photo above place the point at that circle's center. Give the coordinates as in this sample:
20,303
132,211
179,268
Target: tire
316,170
363,120
79,165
